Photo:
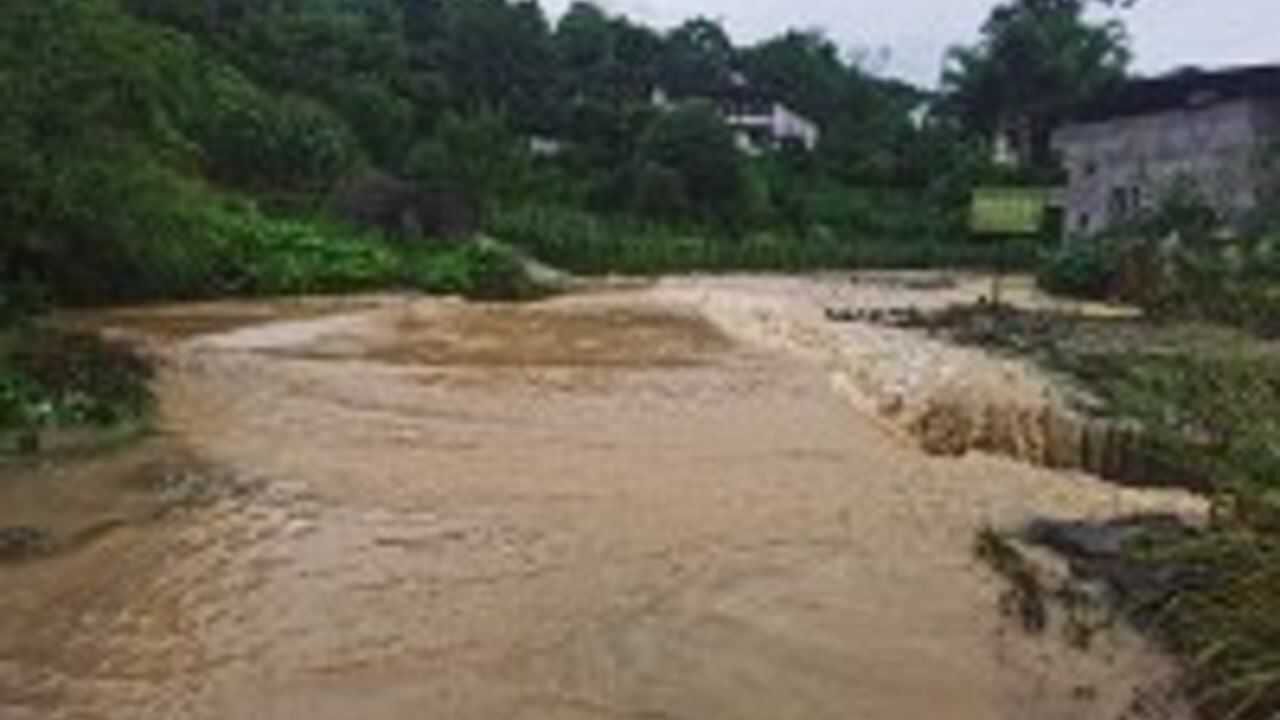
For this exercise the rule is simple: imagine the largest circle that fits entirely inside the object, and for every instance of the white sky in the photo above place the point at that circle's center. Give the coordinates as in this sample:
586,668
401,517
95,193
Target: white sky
915,33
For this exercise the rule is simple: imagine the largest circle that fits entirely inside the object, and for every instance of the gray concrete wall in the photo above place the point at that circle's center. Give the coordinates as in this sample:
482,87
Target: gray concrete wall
1266,116
1140,157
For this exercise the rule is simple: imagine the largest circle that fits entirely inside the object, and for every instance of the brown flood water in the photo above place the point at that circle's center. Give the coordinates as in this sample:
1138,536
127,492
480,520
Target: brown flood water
603,507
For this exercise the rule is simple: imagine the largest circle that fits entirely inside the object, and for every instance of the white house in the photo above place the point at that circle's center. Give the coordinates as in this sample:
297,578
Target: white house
759,122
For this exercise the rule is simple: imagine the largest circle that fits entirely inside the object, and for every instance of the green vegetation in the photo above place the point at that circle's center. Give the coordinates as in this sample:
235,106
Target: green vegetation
589,244
1083,270
131,150
1216,415
483,270
52,380
1228,627
1177,264
156,149
201,147
177,149
1036,61
1206,398
1208,409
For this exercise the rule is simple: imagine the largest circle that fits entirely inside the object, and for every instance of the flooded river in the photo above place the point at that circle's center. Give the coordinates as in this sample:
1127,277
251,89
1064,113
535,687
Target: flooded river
610,506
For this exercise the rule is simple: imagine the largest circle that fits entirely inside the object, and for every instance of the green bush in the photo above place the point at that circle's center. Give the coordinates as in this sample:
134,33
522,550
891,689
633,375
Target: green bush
188,246
50,379
181,243
260,255
23,402
1176,262
480,270
1082,268
107,123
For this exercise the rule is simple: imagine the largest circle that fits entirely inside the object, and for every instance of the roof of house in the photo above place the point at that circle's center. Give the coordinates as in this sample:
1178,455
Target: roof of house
1190,87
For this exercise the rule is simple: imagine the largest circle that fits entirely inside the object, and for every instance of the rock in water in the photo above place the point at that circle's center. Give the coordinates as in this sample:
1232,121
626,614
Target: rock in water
21,542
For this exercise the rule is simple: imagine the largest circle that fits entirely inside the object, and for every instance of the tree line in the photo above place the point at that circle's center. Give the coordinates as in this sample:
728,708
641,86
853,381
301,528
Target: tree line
125,121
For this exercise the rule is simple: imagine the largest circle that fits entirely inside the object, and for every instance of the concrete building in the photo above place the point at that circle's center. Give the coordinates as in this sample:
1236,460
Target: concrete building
759,122
1214,129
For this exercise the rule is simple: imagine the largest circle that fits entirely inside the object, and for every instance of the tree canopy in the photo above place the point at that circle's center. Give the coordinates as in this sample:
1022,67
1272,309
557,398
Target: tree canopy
124,120
1034,62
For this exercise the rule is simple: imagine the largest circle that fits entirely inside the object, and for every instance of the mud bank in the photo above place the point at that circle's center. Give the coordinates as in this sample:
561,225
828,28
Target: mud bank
948,399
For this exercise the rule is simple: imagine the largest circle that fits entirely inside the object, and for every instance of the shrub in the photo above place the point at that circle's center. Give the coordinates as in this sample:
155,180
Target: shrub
479,270
496,272
120,232
1082,268
257,254
1178,261
52,379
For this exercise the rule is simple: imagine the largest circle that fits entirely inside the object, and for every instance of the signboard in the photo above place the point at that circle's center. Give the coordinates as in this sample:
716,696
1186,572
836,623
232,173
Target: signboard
1008,211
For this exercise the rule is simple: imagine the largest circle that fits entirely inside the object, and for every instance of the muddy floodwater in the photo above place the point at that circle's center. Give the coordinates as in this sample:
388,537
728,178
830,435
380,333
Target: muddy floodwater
607,506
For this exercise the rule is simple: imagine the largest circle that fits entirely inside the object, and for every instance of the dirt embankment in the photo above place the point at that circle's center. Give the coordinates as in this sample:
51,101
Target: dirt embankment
948,397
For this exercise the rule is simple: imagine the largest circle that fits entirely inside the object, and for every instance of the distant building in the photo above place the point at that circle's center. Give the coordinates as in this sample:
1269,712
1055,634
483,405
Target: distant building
1123,153
546,147
759,122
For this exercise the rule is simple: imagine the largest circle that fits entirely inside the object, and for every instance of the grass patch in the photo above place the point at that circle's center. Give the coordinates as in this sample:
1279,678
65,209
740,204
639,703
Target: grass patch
594,244
1228,630
1208,400
1222,414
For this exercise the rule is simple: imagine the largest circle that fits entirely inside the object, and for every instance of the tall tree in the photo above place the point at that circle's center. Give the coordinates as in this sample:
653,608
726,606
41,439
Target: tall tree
803,69
606,58
688,158
585,52
637,52
497,54
698,59
1036,60
584,37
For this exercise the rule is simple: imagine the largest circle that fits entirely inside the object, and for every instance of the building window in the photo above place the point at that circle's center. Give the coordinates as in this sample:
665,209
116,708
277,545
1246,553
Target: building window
1125,202
1083,221
1118,205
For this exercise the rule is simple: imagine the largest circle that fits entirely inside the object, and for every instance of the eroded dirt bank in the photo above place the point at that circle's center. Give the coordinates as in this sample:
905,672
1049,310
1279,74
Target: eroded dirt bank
648,504
948,398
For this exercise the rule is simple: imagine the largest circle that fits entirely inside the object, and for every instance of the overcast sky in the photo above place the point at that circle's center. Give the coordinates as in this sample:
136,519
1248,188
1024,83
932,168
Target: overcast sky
915,33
